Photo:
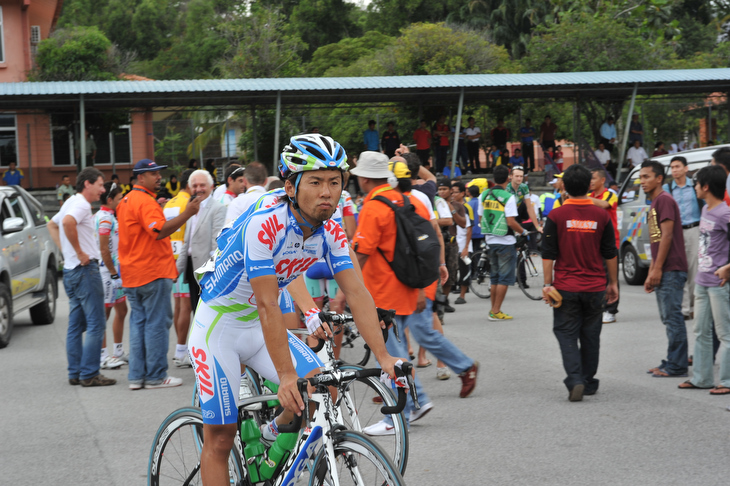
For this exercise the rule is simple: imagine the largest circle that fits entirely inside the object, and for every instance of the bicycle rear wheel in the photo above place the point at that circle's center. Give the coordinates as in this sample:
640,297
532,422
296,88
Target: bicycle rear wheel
481,284
359,411
357,460
175,455
529,274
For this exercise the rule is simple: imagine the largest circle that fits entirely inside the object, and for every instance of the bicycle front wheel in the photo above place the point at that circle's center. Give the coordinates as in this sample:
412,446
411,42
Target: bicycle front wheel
359,411
481,283
529,274
357,460
175,455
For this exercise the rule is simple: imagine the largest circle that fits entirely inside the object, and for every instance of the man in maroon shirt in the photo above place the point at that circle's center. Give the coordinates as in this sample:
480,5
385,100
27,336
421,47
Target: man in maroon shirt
668,270
577,238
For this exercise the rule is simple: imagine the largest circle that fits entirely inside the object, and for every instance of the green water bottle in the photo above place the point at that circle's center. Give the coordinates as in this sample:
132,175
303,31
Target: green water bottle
273,388
277,453
254,449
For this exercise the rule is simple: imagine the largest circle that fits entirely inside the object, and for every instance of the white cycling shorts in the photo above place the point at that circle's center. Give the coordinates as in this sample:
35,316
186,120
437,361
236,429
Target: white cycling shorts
219,344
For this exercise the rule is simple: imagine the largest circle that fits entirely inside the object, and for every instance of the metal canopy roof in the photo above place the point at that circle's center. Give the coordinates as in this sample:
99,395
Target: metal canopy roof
411,89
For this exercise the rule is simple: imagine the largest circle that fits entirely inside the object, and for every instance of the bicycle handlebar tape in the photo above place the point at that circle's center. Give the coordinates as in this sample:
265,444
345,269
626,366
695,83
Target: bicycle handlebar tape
555,299
296,424
404,371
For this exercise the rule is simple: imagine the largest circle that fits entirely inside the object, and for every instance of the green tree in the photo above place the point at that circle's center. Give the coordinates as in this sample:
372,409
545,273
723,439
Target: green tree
322,22
76,54
390,16
346,52
152,25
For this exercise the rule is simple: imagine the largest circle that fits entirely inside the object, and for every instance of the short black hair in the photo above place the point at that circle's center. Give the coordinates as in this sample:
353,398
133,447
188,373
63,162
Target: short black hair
601,172
391,123
371,122
460,186
66,175
501,174
231,170
658,144
114,176
528,119
655,167
473,190
90,174
413,162
577,180
445,181
722,157
110,193
405,185
185,177
712,176
679,158
500,120
470,118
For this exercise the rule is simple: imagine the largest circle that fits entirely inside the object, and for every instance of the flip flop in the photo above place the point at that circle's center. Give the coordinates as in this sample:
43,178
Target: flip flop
720,390
428,363
688,385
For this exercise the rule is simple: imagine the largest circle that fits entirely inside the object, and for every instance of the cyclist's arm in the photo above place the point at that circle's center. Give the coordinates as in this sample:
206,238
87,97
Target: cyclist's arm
533,215
266,292
106,255
349,226
515,226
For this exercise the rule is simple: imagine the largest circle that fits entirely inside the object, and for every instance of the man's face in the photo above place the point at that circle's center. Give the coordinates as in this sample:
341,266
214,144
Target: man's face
601,147
11,165
113,203
517,177
472,122
391,127
679,170
500,123
597,182
319,193
95,190
649,180
237,185
423,125
610,121
200,186
66,181
559,185
445,192
518,152
701,191
456,194
372,126
442,119
150,180
637,143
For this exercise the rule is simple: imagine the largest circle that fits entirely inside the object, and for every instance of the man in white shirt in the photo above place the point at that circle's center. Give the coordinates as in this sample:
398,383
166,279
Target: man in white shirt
72,229
255,176
235,184
473,134
604,157
636,154
463,239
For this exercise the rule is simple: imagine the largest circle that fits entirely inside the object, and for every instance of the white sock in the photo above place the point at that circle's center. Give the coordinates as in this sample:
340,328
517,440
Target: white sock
181,350
118,349
104,354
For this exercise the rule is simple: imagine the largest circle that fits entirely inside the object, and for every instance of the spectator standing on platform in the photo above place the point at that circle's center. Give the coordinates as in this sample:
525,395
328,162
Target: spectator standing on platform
13,176
371,137
527,137
500,135
66,188
578,239
72,229
668,269
659,149
391,140
441,134
547,133
422,137
608,134
636,131
148,268
473,134
690,211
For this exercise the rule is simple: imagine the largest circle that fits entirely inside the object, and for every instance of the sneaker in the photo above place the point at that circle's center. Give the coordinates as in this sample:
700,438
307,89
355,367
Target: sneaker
381,428
576,394
168,382
123,357
419,414
98,380
183,362
469,380
448,308
111,363
73,381
460,300
136,386
499,316
608,318
443,373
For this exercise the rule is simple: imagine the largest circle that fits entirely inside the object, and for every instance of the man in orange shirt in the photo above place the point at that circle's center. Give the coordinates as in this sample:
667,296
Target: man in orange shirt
147,268
374,244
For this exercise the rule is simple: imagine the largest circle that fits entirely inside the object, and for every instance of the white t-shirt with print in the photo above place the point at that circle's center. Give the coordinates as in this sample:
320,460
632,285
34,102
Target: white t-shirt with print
80,210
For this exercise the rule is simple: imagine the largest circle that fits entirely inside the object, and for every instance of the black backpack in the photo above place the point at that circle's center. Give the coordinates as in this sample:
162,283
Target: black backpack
417,249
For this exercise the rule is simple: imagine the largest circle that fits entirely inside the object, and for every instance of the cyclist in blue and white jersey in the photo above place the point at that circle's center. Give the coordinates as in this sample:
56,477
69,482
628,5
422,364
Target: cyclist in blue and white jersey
239,320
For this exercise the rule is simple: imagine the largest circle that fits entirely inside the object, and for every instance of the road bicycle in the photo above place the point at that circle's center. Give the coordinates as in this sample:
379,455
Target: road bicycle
481,283
530,277
323,453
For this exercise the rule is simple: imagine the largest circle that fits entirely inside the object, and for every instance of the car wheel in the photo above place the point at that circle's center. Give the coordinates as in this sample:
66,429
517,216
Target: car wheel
45,312
6,315
634,274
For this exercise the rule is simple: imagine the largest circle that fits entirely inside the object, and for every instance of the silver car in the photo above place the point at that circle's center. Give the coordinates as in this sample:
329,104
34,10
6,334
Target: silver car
635,251
28,261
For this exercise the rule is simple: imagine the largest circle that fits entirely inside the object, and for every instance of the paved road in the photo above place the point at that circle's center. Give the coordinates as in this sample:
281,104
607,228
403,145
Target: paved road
517,428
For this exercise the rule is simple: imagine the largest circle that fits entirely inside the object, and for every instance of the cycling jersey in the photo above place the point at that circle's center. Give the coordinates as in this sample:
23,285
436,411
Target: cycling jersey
265,240
106,224
321,270
173,209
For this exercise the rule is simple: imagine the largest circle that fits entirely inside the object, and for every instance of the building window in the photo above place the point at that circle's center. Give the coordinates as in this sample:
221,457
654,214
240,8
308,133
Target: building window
8,140
2,37
122,142
66,147
35,39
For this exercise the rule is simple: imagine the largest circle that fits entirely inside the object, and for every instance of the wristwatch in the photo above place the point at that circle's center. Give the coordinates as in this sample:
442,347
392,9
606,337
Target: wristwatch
547,285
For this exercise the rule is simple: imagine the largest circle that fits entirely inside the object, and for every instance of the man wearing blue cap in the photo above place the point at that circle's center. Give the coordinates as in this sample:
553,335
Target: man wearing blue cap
148,268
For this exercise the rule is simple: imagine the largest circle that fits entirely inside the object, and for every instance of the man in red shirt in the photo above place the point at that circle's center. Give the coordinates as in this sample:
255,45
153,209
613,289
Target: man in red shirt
605,199
148,267
577,239
441,134
422,137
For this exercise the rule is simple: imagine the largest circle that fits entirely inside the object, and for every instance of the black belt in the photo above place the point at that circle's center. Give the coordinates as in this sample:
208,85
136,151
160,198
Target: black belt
691,225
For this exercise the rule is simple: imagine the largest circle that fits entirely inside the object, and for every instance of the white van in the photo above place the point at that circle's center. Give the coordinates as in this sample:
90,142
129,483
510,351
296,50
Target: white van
635,250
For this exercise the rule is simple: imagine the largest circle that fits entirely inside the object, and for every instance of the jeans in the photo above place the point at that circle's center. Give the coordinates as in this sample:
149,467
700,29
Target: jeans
669,298
86,314
502,261
441,152
711,303
149,331
400,349
579,320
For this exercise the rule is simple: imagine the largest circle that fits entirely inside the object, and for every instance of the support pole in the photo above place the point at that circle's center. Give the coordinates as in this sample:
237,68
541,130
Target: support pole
225,138
625,140
576,158
709,123
457,129
255,134
377,127
276,130
82,135
112,156
30,158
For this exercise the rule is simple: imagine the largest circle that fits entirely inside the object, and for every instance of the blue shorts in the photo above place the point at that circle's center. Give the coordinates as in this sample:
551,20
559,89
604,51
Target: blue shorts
503,262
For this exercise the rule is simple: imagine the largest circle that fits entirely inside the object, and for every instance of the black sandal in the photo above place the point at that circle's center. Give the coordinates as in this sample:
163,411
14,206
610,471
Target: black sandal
688,385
